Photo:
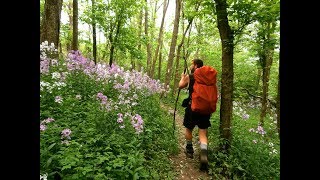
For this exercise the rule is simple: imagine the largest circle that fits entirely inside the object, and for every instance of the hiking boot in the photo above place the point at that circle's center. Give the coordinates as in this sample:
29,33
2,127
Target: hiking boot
189,151
204,159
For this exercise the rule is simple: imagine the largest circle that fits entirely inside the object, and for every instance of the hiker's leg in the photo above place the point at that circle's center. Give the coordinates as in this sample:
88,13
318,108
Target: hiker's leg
188,134
204,124
203,136
189,125
189,147
203,149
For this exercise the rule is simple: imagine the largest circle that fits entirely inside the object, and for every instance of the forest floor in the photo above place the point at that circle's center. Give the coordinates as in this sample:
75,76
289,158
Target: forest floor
186,168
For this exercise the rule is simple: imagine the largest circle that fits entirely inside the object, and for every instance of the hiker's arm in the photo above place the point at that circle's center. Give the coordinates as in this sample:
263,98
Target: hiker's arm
184,81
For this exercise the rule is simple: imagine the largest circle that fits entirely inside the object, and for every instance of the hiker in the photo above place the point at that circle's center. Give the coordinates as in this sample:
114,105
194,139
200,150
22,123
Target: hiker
192,118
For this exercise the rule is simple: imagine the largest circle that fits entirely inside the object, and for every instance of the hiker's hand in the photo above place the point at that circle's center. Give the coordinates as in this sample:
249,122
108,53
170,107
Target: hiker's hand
183,76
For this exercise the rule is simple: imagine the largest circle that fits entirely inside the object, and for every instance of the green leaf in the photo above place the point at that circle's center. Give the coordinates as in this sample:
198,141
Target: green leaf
66,167
51,146
108,168
135,176
137,169
49,161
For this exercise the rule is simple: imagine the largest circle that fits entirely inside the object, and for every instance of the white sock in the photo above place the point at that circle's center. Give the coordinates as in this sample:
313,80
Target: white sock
203,146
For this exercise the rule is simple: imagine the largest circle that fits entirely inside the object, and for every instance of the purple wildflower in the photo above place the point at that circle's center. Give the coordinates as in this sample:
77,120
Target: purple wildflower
65,133
120,119
48,120
58,99
260,130
43,127
245,116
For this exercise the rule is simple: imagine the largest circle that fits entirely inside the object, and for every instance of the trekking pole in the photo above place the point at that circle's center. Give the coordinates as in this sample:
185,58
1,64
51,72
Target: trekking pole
175,107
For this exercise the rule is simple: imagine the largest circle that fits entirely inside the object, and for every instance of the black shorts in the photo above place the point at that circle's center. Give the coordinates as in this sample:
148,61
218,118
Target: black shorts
192,119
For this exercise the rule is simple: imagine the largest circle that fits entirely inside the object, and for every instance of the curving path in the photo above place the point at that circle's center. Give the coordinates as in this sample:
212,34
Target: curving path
186,168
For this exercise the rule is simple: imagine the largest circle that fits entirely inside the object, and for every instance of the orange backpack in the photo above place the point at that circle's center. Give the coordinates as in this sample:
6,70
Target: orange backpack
205,93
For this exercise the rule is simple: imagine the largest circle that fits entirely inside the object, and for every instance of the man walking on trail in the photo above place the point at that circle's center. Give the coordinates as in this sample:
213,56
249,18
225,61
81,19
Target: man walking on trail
193,116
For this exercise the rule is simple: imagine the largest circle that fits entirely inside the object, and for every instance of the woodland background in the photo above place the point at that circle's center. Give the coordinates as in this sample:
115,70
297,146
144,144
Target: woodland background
129,55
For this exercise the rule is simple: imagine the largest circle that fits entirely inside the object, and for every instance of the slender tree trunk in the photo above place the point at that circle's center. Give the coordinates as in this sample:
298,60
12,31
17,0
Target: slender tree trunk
60,47
133,65
94,33
146,27
268,49
278,103
155,57
227,38
75,25
111,44
264,90
51,22
115,39
69,41
176,80
199,38
139,64
187,52
177,69
258,78
173,43
160,59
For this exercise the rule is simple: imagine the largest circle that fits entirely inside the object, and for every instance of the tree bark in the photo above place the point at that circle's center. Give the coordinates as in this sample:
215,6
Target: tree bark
94,33
69,41
176,80
155,57
278,103
146,27
258,78
75,25
173,43
268,50
115,39
160,59
199,37
139,64
51,22
227,38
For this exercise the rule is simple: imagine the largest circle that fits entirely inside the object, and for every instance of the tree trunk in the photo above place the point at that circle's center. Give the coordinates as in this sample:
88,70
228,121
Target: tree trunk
278,103
268,50
146,27
227,38
133,65
139,64
258,78
264,102
94,33
111,44
186,53
173,43
160,59
199,37
176,78
51,22
115,39
69,42
155,57
75,25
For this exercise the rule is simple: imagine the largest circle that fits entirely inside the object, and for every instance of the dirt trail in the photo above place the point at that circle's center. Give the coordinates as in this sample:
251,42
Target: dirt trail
186,168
